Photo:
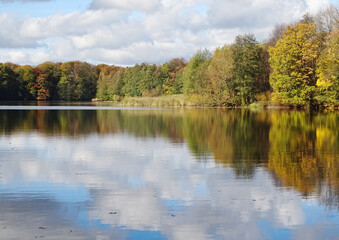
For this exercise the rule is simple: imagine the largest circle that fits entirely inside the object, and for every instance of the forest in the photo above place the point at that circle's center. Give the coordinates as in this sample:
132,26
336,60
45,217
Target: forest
297,66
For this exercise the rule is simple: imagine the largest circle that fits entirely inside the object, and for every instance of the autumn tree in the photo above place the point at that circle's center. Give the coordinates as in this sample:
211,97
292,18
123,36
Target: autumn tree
328,71
294,62
52,71
173,71
42,85
221,84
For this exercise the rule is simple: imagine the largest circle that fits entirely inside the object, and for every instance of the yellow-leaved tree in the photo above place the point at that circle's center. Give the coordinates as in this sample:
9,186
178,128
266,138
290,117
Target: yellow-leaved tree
294,62
328,71
221,85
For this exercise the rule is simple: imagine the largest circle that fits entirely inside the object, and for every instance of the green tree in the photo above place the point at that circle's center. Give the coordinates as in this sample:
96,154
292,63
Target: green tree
67,84
163,77
64,89
195,75
147,79
78,81
117,82
263,80
87,76
9,85
132,81
110,82
294,62
247,66
28,79
103,82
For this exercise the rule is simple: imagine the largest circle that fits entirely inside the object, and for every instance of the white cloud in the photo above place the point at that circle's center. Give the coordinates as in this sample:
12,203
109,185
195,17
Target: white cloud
11,35
129,32
314,5
145,5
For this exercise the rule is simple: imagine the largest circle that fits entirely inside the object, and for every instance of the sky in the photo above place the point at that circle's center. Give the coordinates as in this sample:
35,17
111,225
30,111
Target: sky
134,31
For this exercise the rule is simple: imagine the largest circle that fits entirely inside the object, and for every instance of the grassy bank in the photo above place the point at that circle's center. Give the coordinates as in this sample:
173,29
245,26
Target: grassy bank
196,101
161,101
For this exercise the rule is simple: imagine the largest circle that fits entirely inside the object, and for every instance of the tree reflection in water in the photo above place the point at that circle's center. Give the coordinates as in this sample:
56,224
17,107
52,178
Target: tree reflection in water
299,148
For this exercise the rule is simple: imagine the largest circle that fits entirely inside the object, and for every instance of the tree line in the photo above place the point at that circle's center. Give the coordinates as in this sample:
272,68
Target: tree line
297,66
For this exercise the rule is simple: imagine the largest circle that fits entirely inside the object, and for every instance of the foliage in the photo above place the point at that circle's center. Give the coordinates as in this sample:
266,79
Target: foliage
52,71
27,76
42,85
328,71
9,85
77,82
247,67
172,75
221,85
110,82
148,80
131,81
294,62
195,74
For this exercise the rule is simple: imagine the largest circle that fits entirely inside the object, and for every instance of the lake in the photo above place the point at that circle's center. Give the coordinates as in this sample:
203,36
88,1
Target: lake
97,172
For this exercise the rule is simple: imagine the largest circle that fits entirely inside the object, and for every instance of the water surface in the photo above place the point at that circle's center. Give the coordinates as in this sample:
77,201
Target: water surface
86,172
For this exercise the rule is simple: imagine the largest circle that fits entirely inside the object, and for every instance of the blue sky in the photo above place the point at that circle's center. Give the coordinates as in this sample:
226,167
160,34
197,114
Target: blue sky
45,8
133,31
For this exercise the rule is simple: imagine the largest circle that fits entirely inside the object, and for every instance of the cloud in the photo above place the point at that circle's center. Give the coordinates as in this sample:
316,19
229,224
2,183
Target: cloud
145,5
11,35
130,32
251,15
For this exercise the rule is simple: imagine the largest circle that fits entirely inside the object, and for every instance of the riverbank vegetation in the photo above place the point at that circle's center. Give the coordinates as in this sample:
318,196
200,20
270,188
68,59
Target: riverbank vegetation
297,66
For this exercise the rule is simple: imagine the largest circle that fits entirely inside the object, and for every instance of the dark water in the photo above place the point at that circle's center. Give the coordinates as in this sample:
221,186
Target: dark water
113,173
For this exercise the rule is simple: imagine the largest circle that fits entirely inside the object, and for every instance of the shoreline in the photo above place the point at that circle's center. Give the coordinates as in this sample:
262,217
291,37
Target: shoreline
171,101
182,101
